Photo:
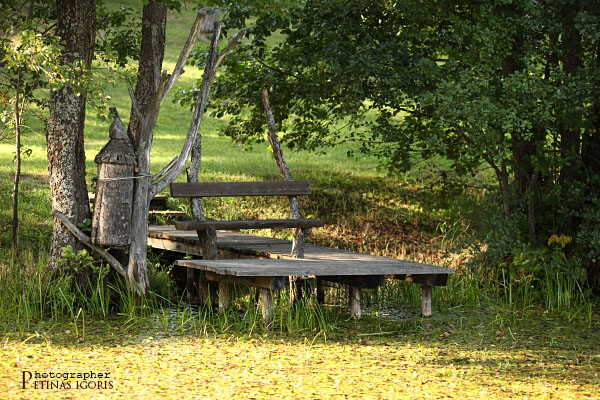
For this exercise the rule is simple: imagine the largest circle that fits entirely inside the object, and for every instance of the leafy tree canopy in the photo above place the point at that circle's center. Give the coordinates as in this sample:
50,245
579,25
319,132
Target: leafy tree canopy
513,84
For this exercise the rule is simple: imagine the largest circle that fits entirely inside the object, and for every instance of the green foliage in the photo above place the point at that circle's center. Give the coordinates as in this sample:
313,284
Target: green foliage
511,84
74,263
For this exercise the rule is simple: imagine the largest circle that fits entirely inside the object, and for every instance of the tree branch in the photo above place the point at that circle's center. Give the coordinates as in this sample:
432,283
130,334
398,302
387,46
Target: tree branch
85,239
232,43
207,77
185,53
279,70
135,104
165,169
274,140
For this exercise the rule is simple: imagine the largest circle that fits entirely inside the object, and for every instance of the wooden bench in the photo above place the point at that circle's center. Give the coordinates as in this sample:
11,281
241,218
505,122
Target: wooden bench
234,189
206,230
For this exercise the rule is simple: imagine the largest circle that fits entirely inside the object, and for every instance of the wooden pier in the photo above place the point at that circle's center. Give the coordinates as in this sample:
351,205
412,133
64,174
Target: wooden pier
271,265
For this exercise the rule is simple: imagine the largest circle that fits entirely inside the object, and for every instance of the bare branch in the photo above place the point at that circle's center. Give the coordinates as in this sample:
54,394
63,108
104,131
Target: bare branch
274,140
165,169
185,53
85,239
192,133
279,70
232,43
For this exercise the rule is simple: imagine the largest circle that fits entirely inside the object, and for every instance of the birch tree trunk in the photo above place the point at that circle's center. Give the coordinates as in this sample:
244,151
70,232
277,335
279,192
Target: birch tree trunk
64,133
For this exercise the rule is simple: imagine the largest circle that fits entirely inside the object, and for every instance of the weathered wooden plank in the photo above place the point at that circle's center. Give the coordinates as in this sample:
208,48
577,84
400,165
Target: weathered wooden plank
230,189
265,282
424,279
249,224
177,246
361,281
310,267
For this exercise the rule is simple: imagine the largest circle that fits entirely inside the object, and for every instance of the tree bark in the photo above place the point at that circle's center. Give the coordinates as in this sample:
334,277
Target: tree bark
15,203
152,51
570,139
144,188
207,237
64,133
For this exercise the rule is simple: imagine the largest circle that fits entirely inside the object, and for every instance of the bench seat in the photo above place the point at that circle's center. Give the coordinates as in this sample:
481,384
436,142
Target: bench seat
249,224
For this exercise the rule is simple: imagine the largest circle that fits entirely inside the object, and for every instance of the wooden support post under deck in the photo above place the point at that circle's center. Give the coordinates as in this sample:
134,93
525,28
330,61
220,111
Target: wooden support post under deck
320,291
223,296
426,300
266,304
192,289
355,311
207,292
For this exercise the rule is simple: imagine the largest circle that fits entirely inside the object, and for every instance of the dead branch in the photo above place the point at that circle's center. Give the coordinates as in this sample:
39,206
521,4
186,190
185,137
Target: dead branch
166,169
85,239
274,140
160,185
232,43
185,53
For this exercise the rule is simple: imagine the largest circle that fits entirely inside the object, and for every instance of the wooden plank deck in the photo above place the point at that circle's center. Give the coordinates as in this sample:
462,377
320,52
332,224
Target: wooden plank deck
313,267
357,270
167,238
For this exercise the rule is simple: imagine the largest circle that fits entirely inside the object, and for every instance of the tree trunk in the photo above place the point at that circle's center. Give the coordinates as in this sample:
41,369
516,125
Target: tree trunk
570,139
206,291
207,237
152,51
64,134
296,283
15,204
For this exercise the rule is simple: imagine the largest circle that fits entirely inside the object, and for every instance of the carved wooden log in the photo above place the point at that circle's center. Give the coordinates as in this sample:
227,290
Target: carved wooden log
111,223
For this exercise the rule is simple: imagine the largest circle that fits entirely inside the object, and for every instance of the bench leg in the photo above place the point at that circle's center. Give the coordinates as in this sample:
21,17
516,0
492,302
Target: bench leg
426,300
296,289
207,290
223,296
320,291
355,311
208,241
192,288
266,304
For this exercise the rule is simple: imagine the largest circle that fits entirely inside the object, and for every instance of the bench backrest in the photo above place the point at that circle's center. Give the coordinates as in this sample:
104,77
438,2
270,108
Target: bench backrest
231,189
